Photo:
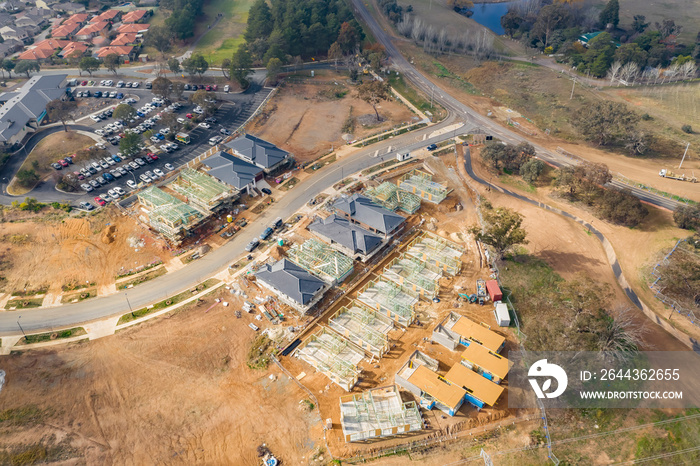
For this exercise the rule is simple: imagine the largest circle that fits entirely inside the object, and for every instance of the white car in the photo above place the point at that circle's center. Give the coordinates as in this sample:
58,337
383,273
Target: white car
181,120
204,125
151,175
169,167
154,139
99,132
95,118
198,110
165,131
109,82
102,83
132,184
113,194
119,191
86,187
145,178
135,84
158,172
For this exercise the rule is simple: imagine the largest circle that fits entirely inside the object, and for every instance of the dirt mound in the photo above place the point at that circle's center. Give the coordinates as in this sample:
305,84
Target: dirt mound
277,253
108,234
485,72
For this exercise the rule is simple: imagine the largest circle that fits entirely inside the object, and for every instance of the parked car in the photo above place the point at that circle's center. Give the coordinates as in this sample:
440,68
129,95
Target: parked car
204,125
266,191
210,120
86,187
94,183
227,88
101,180
132,184
169,167
134,165
119,191
56,166
252,245
266,234
158,172
100,201
94,118
225,131
432,147
87,206
144,178
113,194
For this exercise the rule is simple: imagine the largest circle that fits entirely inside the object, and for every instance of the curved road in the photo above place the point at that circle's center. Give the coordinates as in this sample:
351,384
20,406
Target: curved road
70,315
474,118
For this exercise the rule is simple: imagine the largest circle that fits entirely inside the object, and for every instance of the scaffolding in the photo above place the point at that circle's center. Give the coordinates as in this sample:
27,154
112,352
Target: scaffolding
363,326
389,196
167,214
396,301
201,190
322,260
413,273
379,412
437,251
332,355
420,183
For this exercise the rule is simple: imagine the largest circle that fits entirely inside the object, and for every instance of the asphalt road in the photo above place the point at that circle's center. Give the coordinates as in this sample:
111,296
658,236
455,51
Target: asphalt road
474,118
172,283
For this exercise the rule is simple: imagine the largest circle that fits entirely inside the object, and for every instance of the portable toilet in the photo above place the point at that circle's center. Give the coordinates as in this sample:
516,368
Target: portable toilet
502,315
280,242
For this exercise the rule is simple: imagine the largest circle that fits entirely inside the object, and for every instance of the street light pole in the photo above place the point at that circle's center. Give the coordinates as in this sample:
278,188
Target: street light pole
130,309
20,327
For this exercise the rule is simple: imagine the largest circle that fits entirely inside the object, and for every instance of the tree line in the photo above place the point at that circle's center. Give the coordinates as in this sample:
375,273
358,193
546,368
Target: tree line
555,27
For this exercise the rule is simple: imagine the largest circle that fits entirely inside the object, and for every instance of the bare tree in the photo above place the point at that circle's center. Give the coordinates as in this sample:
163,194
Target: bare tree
623,334
629,72
405,26
418,30
688,70
441,41
614,71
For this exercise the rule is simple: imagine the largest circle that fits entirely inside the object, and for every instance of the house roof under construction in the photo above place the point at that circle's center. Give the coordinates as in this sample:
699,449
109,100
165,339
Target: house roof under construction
192,183
168,208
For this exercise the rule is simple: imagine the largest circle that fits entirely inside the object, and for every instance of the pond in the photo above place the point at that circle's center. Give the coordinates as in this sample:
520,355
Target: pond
489,15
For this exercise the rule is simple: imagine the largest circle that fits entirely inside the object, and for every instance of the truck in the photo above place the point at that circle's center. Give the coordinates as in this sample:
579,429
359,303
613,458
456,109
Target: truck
183,138
664,173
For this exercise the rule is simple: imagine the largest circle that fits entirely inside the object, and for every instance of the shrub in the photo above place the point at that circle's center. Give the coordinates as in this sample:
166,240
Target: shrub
687,217
687,129
622,207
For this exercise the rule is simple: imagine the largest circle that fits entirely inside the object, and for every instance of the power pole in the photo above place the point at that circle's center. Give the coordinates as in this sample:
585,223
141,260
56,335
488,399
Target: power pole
686,151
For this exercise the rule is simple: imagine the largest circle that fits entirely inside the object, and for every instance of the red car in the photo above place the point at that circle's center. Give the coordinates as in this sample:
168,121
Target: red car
215,87
190,116
153,157
63,163
84,83
208,88
100,201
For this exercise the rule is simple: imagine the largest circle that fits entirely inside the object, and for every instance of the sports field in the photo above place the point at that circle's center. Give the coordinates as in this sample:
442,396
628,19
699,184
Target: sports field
222,39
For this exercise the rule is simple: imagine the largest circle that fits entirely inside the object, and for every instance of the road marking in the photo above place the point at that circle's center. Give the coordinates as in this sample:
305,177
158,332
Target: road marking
425,136
376,153
388,149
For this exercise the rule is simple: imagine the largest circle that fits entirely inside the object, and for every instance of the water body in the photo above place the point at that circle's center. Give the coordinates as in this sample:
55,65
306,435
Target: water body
489,15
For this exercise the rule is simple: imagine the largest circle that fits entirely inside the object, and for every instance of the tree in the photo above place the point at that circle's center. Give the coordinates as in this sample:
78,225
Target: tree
61,110
112,62
600,54
610,14
161,87
178,89
374,92
260,23
584,180
89,64
531,170
631,52
174,65
512,21
27,66
502,230
124,112
605,122
8,65
203,98
621,207
638,24
27,177
195,64
335,53
687,217
226,68
550,18
668,27
130,143
241,64
159,37
508,157
347,38
274,67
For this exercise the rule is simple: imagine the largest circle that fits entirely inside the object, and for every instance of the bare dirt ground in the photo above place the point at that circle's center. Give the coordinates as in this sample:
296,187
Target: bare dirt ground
570,249
171,391
40,250
308,119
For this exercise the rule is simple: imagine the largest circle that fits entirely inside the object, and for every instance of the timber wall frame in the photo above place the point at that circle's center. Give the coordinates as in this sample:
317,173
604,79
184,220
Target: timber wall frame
411,272
437,251
322,260
363,326
391,299
421,184
332,355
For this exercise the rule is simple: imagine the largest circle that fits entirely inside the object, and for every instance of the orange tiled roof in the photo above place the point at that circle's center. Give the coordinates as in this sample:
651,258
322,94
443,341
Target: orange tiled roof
36,54
51,44
124,39
92,28
105,16
77,18
119,50
133,28
133,16
65,30
73,47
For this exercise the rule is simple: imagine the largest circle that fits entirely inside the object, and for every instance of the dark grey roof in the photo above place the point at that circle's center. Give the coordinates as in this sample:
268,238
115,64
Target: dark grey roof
291,280
364,211
231,170
28,103
348,234
258,151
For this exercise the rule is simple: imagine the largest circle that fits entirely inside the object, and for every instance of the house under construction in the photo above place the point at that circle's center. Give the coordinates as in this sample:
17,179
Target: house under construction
421,184
379,412
202,191
437,251
332,355
167,214
457,330
414,274
389,196
391,299
322,260
363,326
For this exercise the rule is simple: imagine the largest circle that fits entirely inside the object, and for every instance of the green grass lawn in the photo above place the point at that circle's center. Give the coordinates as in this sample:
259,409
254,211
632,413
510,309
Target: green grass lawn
222,40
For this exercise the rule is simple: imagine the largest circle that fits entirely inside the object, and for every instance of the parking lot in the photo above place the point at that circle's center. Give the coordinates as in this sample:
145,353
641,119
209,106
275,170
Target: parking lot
112,175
